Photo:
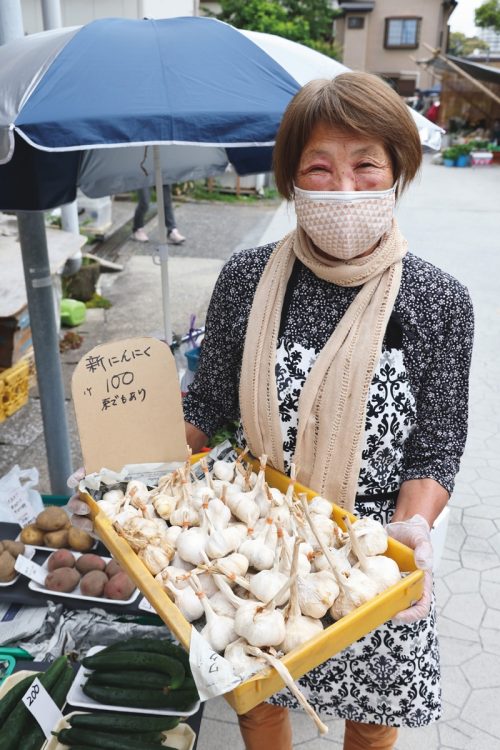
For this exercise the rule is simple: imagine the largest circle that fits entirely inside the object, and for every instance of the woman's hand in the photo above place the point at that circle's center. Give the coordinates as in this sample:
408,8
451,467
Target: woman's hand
415,533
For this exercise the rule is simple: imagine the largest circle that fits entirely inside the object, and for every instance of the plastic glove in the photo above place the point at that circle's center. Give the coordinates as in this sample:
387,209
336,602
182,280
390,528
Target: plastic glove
77,509
415,533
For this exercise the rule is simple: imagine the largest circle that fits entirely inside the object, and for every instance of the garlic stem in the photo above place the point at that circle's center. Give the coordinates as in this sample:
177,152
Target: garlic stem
288,680
324,548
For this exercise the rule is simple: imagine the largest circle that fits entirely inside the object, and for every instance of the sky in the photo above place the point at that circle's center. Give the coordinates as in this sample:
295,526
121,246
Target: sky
462,18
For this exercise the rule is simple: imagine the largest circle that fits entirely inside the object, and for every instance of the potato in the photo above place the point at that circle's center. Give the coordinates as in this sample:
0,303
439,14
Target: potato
7,570
88,562
120,586
52,518
15,548
112,568
56,539
63,580
31,534
63,558
93,583
79,540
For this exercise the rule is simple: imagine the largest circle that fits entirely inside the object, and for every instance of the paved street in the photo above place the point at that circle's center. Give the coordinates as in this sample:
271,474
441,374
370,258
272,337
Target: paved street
451,218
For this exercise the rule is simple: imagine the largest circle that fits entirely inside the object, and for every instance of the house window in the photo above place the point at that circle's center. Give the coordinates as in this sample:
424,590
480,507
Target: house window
355,22
401,33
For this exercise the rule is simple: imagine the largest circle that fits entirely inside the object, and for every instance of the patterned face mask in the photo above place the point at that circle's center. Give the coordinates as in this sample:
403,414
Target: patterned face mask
345,224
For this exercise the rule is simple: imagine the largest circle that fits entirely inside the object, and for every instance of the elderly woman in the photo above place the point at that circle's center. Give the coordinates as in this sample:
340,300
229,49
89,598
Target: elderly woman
344,353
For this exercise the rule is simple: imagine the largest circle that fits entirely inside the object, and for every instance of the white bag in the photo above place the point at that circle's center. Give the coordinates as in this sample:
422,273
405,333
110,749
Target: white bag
19,502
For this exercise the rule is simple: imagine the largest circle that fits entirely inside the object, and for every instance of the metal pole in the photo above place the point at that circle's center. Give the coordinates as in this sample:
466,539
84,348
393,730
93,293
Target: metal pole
11,21
162,246
51,14
52,19
46,346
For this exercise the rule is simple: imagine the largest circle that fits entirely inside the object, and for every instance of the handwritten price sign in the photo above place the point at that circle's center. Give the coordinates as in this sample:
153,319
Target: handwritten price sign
42,707
212,673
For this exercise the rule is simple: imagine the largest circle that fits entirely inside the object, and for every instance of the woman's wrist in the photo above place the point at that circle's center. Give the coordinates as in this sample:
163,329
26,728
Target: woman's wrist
423,496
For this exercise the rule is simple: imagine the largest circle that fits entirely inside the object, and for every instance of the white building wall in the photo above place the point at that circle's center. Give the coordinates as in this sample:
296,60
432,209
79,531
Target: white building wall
78,12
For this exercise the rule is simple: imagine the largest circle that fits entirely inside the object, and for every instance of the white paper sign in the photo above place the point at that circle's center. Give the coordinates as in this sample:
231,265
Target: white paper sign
30,569
146,606
38,701
212,673
20,507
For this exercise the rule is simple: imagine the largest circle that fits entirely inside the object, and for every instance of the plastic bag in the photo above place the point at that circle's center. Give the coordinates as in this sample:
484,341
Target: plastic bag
19,502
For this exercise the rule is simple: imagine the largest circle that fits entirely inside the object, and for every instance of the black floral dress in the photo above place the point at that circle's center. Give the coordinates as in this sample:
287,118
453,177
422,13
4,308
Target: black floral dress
415,427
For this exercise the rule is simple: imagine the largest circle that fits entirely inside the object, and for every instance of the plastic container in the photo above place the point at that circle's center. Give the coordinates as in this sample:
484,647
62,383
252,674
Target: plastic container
73,312
301,660
193,357
14,388
98,212
481,158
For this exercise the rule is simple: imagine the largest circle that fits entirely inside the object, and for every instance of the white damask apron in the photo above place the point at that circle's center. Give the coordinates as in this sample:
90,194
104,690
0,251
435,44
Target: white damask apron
392,675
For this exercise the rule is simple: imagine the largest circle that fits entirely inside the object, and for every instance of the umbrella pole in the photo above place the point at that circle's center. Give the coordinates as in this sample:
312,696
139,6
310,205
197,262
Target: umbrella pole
38,281
162,246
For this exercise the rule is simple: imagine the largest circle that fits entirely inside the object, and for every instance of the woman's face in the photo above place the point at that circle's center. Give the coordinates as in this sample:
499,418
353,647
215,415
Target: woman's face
334,159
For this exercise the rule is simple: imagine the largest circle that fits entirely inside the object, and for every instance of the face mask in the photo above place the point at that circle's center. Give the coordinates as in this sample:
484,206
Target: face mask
345,224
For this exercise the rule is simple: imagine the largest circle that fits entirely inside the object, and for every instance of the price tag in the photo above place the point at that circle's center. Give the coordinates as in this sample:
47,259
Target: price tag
20,507
30,569
40,704
212,673
146,606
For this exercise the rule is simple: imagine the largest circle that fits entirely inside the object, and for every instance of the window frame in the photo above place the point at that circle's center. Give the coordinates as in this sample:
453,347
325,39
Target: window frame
414,45
355,27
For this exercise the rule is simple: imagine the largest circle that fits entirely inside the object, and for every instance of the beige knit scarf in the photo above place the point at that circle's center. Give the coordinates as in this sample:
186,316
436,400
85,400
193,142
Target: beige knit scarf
332,403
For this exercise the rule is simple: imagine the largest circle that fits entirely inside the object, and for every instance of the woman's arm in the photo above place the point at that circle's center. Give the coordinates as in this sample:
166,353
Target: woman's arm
195,438
423,496
433,451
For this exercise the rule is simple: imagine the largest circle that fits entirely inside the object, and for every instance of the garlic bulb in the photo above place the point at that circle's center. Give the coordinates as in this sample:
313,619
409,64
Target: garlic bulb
221,605
192,541
355,589
261,625
219,629
218,513
267,583
321,505
139,532
383,571
316,593
255,549
154,558
137,493
111,503
224,470
242,663
298,627
172,533
186,601
371,535
164,504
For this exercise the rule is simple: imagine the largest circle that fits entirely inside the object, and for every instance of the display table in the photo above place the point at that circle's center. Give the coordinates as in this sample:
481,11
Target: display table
61,246
20,593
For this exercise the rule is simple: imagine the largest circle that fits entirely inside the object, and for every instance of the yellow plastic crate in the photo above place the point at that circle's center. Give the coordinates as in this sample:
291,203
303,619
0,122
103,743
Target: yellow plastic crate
14,388
301,660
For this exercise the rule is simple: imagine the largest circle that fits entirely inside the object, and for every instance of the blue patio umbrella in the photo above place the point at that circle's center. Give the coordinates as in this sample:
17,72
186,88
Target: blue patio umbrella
119,104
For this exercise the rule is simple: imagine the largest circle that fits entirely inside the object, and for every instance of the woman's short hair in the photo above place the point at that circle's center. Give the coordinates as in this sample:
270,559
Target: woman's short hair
361,103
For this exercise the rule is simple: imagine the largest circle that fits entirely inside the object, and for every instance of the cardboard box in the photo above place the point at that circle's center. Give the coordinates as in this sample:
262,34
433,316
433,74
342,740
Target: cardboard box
15,337
106,444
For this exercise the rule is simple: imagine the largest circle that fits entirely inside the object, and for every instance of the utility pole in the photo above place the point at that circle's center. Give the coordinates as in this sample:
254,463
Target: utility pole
33,241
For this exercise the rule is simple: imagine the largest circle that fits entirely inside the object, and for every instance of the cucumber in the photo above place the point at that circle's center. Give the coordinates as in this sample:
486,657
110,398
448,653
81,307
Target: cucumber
10,699
138,679
20,718
104,740
111,662
116,722
34,738
152,645
131,698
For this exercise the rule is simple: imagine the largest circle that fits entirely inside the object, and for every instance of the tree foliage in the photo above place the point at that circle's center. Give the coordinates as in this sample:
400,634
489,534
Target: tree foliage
308,22
487,16
461,45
